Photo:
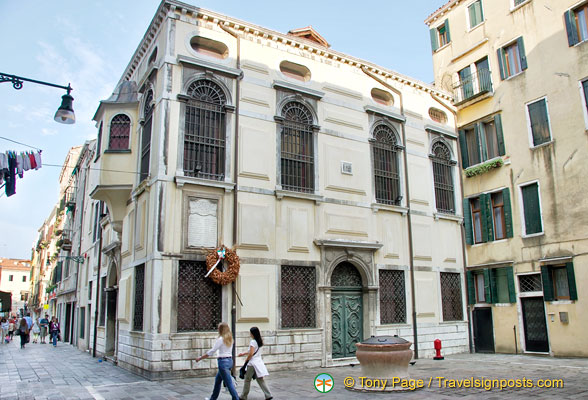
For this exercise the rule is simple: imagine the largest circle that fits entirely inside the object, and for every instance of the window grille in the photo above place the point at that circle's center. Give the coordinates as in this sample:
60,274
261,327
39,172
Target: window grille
120,129
451,296
139,297
530,283
385,157
438,115
443,178
345,275
297,148
298,296
146,138
204,136
392,297
199,298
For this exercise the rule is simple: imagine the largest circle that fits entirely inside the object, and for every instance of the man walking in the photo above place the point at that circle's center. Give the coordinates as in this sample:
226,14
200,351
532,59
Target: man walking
29,321
44,323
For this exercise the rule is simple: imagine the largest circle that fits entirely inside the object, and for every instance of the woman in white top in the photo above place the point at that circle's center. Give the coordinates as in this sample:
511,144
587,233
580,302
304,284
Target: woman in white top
36,331
255,365
224,345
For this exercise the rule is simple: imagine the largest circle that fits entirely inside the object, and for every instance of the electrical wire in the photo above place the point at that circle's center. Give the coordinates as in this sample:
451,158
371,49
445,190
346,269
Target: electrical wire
24,144
94,169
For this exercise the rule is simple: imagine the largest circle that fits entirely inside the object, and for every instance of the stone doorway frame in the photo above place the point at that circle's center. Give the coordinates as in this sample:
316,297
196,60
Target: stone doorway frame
361,255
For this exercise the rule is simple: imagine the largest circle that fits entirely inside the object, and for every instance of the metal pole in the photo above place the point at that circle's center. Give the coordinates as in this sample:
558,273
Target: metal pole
18,80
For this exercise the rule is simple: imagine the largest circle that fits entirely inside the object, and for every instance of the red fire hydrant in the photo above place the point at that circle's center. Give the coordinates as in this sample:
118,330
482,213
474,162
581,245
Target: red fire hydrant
438,356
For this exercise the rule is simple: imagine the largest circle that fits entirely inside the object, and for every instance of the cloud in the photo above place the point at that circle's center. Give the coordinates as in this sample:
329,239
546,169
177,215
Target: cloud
48,132
18,108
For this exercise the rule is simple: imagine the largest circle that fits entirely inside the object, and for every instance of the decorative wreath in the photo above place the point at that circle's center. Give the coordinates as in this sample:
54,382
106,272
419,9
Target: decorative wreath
231,273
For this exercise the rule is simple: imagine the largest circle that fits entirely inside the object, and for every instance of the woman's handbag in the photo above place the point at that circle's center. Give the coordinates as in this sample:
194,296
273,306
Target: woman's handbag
243,369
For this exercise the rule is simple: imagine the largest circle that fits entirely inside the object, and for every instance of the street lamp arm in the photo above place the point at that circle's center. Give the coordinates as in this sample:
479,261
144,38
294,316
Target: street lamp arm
17,82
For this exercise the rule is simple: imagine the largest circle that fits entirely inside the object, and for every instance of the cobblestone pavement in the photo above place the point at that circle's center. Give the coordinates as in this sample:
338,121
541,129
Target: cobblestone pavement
43,372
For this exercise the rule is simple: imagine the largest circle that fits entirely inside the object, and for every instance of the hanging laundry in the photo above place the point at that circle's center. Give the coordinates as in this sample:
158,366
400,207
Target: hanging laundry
13,164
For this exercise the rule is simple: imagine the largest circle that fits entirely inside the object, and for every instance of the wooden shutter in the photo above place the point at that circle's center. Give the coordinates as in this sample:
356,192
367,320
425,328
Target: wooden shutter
493,286
532,211
512,296
482,139
547,283
571,27
507,212
434,39
499,135
501,63
467,221
572,281
522,55
487,290
465,162
471,288
447,30
486,215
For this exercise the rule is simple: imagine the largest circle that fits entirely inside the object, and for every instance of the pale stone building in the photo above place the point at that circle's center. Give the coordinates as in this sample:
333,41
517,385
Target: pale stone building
519,77
14,278
314,165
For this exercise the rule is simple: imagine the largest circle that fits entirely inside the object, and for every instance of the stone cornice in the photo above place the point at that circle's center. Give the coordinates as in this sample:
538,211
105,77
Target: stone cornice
187,11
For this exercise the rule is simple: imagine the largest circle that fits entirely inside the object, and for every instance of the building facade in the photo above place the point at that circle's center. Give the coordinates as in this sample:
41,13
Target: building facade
519,77
15,279
334,180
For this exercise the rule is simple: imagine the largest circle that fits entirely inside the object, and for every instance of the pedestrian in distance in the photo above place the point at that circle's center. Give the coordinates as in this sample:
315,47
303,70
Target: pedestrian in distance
44,325
54,330
255,365
36,331
29,320
11,327
23,331
224,346
4,327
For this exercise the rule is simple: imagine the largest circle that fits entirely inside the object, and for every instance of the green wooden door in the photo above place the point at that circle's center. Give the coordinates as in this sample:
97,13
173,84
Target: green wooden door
347,322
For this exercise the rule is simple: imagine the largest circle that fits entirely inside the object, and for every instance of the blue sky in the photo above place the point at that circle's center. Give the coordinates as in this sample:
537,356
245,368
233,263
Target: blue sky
89,43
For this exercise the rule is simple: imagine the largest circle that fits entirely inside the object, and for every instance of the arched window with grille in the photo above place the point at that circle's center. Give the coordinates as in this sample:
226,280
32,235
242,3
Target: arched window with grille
297,148
120,129
385,151
204,134
443,178
146,136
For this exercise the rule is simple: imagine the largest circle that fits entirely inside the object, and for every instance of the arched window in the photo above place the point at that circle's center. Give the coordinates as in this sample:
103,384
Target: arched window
146,136
386,172
204,135
297,148
443,178
120,129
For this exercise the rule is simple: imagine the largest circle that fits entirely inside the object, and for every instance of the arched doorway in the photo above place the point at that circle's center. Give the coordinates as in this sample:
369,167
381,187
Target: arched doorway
346,310
111,291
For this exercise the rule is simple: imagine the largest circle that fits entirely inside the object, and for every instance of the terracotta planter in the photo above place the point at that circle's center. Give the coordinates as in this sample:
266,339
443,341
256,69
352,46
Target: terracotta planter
384,357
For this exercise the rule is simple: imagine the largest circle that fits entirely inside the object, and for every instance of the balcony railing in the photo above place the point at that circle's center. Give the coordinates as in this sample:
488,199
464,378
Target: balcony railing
70,197
472,86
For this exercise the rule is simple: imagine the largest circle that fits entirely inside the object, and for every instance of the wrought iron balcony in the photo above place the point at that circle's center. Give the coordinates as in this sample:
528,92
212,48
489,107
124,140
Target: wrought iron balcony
66,237
70,197
472,86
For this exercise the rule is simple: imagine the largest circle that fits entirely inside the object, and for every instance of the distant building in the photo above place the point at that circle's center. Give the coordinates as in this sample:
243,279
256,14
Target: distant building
518,71
14,278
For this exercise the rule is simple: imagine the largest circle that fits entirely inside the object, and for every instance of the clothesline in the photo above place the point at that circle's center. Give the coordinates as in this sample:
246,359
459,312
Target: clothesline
24,144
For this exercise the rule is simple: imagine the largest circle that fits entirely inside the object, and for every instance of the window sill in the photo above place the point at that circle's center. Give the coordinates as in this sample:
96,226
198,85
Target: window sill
477,26
299,195
560,302
442,47
457,321
515,8
581,43
533,235
503,304
542,145
183,180
115,151
386,207
508,78
448,217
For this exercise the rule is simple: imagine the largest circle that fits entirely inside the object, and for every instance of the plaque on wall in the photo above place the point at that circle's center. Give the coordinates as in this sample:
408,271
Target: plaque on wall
202,223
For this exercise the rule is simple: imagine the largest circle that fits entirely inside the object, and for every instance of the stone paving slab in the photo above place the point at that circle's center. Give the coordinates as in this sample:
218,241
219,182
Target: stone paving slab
43,372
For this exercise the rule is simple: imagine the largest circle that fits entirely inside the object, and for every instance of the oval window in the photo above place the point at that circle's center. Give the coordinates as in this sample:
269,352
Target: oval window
209,47
295,71
437,115
382,97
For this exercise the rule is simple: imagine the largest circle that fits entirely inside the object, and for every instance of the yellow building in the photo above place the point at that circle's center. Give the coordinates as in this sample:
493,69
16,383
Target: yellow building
518,71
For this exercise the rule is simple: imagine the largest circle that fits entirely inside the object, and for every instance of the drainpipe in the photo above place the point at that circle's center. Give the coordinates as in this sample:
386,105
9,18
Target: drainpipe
408,214
463,251
236,190
80,247
97,287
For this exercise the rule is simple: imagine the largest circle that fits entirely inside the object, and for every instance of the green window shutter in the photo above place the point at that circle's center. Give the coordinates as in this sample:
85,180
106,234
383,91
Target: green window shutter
493,286
487,290
532,210
507,211
572,281
486,211
482,139
547,283
434,39
499,135
471,288
522,55
464,149
571,27
512,296
501,63
467,221
447,30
